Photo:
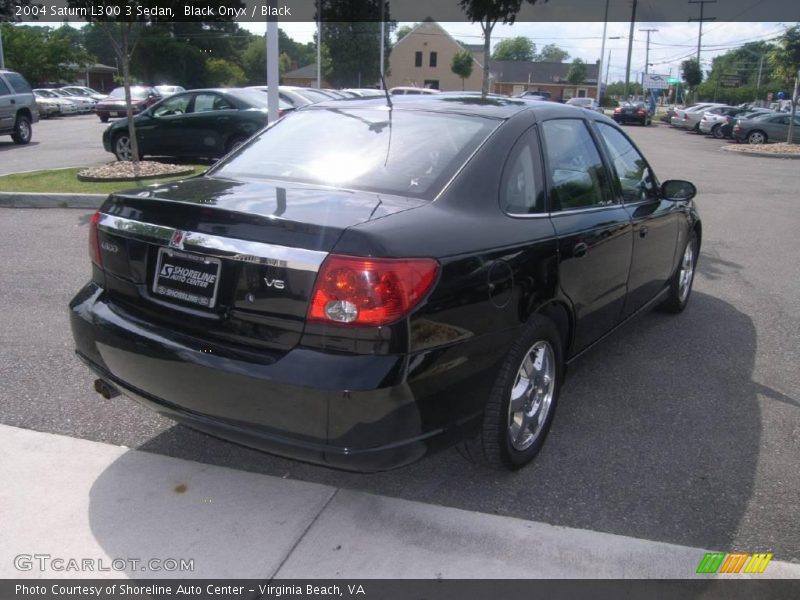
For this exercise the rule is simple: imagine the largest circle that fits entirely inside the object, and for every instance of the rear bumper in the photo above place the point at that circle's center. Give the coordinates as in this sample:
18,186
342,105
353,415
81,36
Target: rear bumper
355,412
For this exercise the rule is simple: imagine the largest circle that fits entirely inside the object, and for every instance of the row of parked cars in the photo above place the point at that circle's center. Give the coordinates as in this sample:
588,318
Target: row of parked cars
744,123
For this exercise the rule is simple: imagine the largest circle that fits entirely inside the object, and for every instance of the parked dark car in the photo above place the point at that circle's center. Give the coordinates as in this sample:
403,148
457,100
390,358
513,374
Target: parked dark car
114,105
633,112
18,110
200,123
726,129
765,128
358,285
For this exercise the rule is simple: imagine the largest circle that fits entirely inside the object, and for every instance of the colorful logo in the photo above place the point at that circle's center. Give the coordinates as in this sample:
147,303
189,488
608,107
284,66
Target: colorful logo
736,562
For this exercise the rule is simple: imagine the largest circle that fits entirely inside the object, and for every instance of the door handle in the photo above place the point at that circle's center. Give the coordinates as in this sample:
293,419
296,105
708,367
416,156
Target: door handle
13,101
643,231
580,249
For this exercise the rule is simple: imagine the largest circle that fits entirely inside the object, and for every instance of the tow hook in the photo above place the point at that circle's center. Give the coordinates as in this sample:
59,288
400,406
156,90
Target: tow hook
106,390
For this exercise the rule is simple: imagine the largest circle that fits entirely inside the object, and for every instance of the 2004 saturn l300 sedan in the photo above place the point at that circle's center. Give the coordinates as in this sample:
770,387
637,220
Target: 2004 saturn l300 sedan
368,280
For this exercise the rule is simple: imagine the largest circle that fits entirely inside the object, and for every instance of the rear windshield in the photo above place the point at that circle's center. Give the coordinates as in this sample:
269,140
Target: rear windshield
410,153
138,93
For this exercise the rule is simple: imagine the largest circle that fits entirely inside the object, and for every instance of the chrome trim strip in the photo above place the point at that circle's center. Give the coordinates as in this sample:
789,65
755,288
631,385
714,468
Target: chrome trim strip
217,246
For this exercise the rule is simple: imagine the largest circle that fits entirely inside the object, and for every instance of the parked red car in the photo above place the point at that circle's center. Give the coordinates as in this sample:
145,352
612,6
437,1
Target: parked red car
114,105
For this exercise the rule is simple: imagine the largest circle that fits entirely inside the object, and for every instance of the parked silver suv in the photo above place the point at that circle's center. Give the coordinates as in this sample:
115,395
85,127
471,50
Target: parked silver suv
17,107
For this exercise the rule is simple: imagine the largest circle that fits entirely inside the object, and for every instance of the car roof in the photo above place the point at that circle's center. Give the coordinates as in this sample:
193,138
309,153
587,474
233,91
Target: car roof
494,107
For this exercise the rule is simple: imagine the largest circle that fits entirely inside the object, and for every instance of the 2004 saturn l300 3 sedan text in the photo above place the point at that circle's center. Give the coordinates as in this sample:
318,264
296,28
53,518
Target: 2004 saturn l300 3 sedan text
368,280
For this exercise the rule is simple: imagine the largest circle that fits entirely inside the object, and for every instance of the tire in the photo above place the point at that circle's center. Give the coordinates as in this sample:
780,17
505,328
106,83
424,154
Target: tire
756,137
234,143
22,130
103,118
510,439
716,132
122,148
680,287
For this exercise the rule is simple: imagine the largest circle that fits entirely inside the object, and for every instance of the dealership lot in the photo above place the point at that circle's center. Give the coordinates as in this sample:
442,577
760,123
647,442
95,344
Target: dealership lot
679,429
73,141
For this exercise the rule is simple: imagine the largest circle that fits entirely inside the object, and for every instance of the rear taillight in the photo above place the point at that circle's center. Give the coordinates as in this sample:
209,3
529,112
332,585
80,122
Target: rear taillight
685,117
370,291
642,112
617,110
94,240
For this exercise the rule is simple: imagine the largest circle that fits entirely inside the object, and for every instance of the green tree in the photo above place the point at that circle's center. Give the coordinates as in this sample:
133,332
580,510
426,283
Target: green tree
577,72
404,31
785,57
785,60
618,89
43,55
462,65
488,13
691,73
516,48
224,73
552,53
124,36
351,32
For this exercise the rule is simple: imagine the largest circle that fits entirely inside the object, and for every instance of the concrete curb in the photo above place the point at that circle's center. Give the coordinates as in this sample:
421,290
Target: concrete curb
71,497
37,200
762,154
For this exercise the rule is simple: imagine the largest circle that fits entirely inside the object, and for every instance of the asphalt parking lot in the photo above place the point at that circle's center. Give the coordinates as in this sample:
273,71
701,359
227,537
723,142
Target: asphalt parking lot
74,141
679,429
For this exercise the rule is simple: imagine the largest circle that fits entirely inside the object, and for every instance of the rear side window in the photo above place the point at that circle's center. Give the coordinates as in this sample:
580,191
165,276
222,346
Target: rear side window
631,169
577,174
18,83
519,193
411,153
4,91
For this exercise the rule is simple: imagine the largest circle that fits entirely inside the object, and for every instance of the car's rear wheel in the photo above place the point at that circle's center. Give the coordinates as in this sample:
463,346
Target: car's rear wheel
103,117
757,137
716,131
122,147
680,288
523,400
22,130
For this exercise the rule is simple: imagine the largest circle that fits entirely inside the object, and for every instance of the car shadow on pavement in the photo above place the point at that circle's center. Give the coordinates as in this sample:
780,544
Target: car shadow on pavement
657,436
9,145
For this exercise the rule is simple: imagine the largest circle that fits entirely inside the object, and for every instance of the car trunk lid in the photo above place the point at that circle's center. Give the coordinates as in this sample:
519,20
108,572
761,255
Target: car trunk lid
229,260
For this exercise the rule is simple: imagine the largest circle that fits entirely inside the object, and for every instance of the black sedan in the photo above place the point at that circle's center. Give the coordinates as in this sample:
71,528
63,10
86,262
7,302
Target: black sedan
365,282
200,123
633,112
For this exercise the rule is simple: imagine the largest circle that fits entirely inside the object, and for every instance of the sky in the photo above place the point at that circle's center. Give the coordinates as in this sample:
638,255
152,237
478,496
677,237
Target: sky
669,46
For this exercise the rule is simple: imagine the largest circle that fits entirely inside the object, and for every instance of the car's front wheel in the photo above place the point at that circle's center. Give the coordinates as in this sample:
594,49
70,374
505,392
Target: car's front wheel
523,400
122,147
22,130
680,286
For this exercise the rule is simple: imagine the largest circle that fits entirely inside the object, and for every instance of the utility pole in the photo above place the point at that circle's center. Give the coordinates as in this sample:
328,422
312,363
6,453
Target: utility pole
790,135
758,83
2,58
602,53
383,33
319,44
702,4
647,51
647,58
630,50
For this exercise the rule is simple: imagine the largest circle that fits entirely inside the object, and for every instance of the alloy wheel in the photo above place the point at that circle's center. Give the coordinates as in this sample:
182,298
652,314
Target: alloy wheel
531,396
122,148
686,273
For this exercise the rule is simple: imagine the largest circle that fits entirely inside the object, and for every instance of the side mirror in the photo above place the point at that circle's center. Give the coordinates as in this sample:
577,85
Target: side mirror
678,190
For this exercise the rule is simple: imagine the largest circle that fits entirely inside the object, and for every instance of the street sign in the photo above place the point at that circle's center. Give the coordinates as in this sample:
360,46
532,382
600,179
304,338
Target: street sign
655,82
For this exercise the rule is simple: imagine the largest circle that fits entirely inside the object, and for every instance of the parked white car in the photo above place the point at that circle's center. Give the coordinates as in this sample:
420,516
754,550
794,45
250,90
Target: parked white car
65,106
587,103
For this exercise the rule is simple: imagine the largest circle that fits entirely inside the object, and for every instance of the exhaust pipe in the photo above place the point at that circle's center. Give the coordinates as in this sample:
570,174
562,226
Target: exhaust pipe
106,390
